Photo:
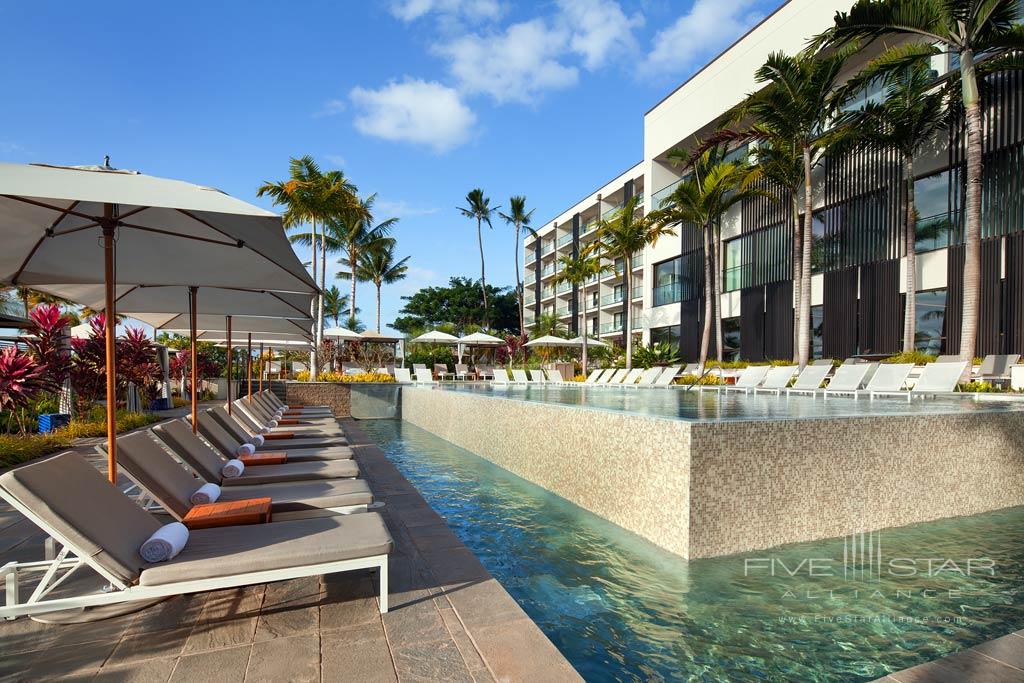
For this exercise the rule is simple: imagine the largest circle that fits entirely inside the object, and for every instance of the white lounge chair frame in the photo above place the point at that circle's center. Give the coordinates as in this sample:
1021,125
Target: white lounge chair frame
519,377
949,373
69,559
667,376
756,373
776,379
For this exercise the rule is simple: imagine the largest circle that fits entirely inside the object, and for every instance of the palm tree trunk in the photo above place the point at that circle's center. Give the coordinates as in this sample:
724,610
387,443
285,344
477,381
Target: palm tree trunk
352,257
910,237
804,333
378,308
313,304
797,273
972,237
320,297
483,277
583,359
627,285
717,293
705,337
519,284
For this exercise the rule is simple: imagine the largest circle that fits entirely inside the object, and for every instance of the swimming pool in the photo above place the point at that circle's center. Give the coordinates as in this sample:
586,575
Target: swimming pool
620,609
700,406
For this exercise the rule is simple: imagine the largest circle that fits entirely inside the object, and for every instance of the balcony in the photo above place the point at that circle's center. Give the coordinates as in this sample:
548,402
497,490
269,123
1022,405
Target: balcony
547,292
564,240
547,270
636,323
564,287
638,260
562,310
548,247
668,294
531,256
640,199
658,197
611,212
529,299
589,226
608,328
609,299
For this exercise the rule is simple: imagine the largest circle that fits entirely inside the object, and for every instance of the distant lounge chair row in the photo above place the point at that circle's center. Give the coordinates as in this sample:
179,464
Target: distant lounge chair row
266,493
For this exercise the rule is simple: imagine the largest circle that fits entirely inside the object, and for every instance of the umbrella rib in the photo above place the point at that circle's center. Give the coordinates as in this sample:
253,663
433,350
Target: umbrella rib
304,331
51,207
288,303
178,234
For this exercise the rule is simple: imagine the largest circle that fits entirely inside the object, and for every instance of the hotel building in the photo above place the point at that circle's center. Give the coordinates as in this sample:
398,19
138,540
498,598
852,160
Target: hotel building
858,258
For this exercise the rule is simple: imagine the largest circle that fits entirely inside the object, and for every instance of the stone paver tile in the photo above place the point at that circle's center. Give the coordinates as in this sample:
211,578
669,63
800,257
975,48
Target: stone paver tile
295,659
430,661
1008,649
435,538
140,646
414,621
466,647
962,666
357,654
483,604
347,604
149,671
222,666
178,612
290,608
228,618
422,517
519,651
69,662
455,566
25,635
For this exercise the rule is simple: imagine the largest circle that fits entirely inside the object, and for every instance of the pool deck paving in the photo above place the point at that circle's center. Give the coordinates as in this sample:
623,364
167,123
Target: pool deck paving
996,661
449,619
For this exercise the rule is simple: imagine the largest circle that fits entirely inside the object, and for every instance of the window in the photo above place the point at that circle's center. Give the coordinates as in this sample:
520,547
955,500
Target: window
819,245
666,335
817,326
620,265
732,264
934,223
667,282
930,309
730,338
619,319
618,293
594,299
593,326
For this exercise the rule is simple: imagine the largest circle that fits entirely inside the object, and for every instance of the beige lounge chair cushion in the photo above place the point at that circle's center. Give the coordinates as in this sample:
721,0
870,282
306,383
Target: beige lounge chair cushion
227,444
241,433
71,497
304,496
177,434
299,471
155,469
212,553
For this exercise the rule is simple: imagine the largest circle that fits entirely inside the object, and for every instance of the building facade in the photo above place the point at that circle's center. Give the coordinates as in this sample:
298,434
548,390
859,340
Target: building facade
858,256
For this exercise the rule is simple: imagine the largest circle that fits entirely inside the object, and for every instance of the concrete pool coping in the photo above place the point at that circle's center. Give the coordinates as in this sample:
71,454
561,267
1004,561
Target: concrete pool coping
449,619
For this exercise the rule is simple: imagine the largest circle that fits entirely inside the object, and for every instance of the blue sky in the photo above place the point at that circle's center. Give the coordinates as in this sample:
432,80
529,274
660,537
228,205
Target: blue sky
416,100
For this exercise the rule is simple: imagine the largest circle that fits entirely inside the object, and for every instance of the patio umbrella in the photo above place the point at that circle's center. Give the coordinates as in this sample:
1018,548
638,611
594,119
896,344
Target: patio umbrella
478,339
100,225
344,334
435,337
550,340
578,341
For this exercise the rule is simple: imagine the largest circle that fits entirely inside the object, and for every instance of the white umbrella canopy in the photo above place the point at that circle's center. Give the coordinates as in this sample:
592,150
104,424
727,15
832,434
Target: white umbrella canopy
578,341
550,340
268,341
435,337
168,231
343,333
208,323
481,339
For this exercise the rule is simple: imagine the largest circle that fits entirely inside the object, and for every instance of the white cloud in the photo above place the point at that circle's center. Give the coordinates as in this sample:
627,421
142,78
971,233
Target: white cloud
8,147
402,209
512,66
421,112
709,26
330,108
417,278
600,29
410,10
335,159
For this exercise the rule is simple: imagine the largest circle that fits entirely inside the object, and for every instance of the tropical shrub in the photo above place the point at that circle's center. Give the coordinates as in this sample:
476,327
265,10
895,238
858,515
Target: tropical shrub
302,376
88,366
22,380
655,354
137,363
48,341
16,449
428,354
915,357
710,379
181,366
979,387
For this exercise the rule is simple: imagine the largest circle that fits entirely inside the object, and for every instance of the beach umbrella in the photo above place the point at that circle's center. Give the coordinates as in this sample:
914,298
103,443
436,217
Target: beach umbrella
550,341
578,341
435,337
100,225
343,334
378,338
478,339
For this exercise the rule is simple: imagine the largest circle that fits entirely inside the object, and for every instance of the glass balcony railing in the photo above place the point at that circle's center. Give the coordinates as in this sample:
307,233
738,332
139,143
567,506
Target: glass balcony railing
638,260
609,299
611,327
548,247
564,287
588,226
529,299
611,212
547,292
640,200
637,324
661,195
564,240
562,310
531,256
668,294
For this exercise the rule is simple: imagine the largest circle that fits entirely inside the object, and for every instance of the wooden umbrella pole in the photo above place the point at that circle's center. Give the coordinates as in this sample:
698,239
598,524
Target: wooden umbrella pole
228,320
109,226
248,396
195,372
261,367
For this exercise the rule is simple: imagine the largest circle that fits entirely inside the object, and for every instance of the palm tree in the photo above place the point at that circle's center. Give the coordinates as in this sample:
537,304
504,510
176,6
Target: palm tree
969,29
310,197
548,323
622,236
796,108
352,231
577,271
909,118
479,207
377,265
519,218
714,187
336,304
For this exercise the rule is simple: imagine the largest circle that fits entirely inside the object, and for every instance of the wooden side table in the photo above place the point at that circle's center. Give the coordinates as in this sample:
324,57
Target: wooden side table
279,435
267,458
228,513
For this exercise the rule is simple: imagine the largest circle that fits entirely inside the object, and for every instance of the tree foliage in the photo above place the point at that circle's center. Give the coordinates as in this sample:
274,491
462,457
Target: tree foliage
460,304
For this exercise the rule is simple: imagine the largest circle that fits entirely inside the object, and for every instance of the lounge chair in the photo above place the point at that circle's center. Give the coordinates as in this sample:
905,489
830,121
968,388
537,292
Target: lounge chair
260,408
281,404
99,527
485,372
749,379
949,358
555,377
887,378
403,376
519,377
418,366
178,436
693,369
243,433
592,377
259,419
424,376
538,377
849,378
632,376
618,376
777,379
500,377
230,447
605,375
266,398
996,368
936,379
441,371
667,376
649,376
462,372
146,462
810,378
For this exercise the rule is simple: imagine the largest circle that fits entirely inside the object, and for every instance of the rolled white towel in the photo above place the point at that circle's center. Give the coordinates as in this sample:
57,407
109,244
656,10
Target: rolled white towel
232,469
272,423
278,413
207,493
285,406
264,430
165,543
256,440
245,449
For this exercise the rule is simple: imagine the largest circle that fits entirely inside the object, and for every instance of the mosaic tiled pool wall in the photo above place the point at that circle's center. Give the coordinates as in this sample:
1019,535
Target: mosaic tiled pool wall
713,488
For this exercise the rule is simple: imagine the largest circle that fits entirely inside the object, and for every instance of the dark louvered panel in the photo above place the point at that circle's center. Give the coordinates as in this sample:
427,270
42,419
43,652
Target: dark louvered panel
574,321
990,299
690,238
1013,299
760,212
880,308
765,256
839,314
691,270
778,320
752,323
536,279
690,329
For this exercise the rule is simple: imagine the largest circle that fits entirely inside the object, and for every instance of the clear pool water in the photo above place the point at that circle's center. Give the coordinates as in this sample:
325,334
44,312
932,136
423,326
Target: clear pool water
620,609
714,405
